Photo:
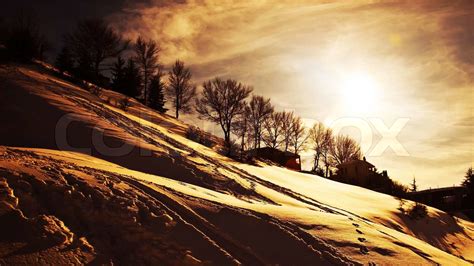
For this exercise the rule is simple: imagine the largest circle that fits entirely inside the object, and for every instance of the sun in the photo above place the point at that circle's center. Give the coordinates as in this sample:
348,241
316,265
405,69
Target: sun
359,92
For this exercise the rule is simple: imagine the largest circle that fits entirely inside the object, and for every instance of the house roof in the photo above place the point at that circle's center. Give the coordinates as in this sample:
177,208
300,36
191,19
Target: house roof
356,161
272,151
435,190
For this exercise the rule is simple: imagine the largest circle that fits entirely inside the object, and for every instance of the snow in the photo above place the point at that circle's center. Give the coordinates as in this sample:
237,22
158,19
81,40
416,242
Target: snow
236,213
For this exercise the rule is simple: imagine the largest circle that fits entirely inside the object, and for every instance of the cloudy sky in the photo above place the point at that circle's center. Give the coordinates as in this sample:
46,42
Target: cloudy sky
389,72
365,66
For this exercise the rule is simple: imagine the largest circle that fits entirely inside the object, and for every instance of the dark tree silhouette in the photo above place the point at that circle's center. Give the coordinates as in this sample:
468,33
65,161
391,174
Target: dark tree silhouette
298,136
118,75
329,142
259,109
84,68
468,183
146,55
321,143
180,89
132,79
344,149
156,97
315,136
64,60
222,102
286,127
273,131
24,40
94,41
241,129
413,186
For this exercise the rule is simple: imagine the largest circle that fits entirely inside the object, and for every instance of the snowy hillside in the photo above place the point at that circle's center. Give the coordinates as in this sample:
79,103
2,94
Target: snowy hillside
169,200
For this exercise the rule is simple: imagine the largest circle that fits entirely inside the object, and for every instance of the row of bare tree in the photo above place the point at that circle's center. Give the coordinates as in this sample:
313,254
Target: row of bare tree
255,121
228,103
90,47
329,149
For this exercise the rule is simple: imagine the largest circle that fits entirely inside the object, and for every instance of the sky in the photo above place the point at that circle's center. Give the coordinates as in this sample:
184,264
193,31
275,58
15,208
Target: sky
396,73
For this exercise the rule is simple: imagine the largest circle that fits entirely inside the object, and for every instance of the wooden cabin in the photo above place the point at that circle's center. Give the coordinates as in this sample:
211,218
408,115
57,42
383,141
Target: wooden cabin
286,159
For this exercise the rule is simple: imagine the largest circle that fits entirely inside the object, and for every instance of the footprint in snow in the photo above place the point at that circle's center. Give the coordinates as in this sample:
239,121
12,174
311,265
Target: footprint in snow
364,250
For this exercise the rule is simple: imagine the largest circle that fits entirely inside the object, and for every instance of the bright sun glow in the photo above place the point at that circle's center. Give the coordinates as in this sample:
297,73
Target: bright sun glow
359,93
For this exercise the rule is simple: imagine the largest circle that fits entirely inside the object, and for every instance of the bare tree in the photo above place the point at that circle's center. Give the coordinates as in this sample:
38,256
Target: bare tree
344,149
328,143
221,102
146,55
95,41
318,145
287,128
259,109
298,135
241,128
180,88
273,131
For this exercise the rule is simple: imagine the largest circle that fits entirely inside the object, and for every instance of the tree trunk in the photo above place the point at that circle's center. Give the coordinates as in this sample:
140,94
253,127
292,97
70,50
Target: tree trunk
177,107
145,89
96,72
316,163
242,146
227,143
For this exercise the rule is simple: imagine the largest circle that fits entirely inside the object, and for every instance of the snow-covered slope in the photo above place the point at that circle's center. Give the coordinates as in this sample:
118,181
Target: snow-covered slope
162,198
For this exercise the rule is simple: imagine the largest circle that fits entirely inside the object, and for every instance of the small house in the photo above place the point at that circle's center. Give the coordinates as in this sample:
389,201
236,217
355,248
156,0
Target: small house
445,198
356,169
282,158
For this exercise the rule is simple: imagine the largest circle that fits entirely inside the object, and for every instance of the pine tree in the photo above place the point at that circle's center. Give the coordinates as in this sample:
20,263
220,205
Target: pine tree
132,79
414,186
468,183
64,60
146,56
156,96
118,75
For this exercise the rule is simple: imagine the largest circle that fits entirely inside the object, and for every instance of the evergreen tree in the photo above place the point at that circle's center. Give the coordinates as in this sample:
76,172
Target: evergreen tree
93,42
146,56
468,183
118,75
414,186
132,79
156,96
64,60
84,69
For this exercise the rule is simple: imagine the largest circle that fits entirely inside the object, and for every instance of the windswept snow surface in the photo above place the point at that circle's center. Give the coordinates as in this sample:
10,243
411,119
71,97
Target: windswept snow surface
82,181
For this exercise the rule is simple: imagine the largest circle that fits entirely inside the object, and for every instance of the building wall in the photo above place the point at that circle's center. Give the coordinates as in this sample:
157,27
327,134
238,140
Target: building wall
355,171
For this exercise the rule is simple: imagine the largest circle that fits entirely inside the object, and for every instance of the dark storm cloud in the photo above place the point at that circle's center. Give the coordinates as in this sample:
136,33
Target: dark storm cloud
56,18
